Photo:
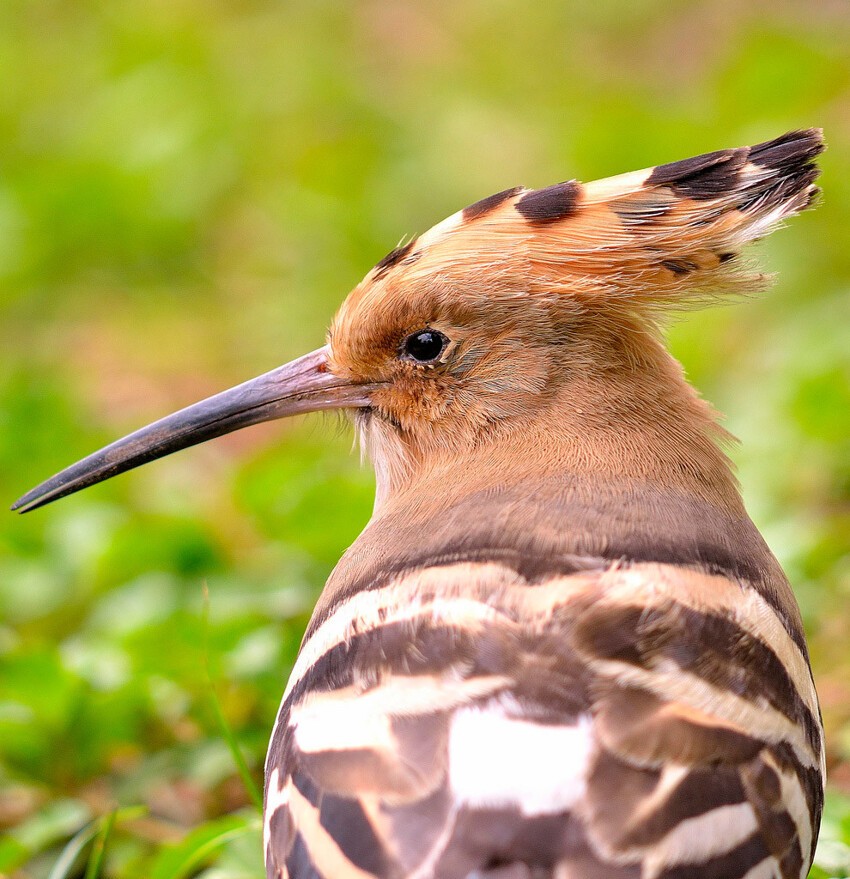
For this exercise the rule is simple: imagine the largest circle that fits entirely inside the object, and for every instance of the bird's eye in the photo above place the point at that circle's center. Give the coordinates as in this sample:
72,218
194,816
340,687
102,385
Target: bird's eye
424,346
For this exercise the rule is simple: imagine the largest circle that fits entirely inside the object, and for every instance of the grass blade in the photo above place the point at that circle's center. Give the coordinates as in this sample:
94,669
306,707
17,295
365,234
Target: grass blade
99,830
181,860
96,857
66,861
226,731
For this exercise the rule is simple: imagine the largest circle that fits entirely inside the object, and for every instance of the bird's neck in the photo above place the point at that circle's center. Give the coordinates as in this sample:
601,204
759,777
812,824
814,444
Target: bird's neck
619,472
602,475
632,429
557,525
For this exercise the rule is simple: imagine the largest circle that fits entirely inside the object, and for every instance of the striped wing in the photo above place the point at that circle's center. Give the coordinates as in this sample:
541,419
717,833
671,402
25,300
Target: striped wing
463,721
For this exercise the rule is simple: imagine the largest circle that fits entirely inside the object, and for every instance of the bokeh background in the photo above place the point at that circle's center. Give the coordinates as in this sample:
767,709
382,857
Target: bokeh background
188,190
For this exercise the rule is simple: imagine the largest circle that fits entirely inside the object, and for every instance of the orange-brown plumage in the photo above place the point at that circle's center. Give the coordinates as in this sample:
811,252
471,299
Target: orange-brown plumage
554,319
560,649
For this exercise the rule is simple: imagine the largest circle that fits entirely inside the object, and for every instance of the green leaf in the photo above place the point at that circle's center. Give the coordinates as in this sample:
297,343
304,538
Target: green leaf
200,845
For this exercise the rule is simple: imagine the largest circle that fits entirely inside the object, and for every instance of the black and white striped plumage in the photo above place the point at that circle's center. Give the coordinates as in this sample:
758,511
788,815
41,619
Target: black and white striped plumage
571,706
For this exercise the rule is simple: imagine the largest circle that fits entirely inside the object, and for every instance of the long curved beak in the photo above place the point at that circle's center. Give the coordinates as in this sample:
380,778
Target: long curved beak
304,385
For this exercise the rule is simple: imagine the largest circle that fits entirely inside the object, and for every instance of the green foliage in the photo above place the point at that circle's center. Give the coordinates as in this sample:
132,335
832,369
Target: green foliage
188,192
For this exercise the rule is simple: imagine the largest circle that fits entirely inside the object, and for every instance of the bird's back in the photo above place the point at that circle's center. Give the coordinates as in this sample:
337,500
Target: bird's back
622,690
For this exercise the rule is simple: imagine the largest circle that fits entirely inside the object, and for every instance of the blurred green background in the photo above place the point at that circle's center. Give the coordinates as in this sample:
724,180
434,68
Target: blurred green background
188,190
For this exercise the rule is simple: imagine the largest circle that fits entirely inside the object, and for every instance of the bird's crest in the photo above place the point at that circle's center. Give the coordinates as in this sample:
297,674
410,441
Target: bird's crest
663,237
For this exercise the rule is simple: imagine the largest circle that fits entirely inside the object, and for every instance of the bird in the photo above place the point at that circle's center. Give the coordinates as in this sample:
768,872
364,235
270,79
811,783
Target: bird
560,648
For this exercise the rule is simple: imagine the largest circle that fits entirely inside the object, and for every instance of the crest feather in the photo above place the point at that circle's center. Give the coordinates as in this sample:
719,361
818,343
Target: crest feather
664,236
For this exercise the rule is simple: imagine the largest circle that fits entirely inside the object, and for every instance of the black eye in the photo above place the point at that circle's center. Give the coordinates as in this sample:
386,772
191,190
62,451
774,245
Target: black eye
424,346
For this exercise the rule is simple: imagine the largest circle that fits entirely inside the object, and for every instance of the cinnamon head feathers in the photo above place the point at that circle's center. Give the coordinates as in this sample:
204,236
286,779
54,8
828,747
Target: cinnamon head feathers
560,648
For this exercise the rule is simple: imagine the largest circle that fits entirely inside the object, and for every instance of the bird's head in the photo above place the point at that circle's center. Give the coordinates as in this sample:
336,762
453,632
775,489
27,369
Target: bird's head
528,317
454,340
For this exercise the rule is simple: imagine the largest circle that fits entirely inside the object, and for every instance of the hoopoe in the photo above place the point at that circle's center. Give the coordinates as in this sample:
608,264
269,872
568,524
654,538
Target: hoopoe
559,648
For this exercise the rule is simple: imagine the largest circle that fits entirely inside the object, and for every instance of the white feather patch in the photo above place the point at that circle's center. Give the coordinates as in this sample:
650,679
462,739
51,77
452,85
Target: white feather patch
704,837
443,228
497,761
597,191
767,869
794,801
352,719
